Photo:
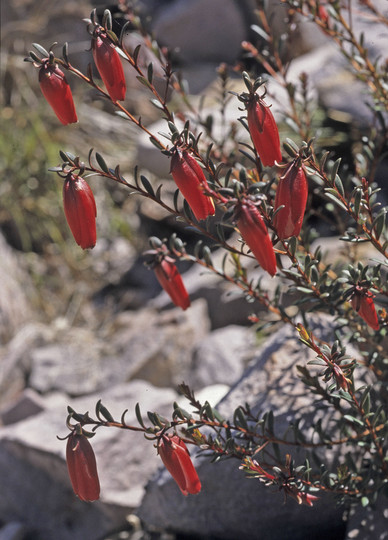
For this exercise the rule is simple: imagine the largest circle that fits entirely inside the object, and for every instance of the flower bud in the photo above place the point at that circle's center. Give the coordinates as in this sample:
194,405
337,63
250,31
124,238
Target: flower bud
322,13
57,92
255,234
264,132
362,302
80,210
176,459
109,66
292,192
192,183
81,464
171,281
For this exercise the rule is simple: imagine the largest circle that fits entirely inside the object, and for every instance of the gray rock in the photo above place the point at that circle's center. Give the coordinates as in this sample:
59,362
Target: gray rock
230,506
157,347
15,292
15,363
370,523
28,404
13,531
202,30
148,344
35,489
220,357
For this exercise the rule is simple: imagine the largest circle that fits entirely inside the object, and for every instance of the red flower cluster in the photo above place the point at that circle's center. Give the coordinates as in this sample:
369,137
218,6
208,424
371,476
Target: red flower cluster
109,66
192,183
176,459
264,131
82,467
171,281
291,192
80,210
254,232
57,92
362,302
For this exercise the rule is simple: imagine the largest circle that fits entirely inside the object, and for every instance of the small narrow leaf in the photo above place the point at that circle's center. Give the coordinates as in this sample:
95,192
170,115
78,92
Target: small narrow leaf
41,50
150,72
101,162
334,170
147,185
143,81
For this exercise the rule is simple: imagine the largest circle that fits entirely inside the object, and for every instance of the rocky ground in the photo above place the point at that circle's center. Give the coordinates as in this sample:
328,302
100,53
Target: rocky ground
119,339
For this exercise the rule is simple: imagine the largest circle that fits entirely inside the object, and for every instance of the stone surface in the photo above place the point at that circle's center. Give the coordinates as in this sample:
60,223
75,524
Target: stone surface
147,344
15,288
15,362
200,30
30,450
230,506
220,357
28,404
12,531
370,523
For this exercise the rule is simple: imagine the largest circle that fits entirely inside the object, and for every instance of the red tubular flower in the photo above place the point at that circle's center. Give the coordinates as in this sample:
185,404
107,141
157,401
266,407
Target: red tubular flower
264,132
255,234
171,281
81,464
80,210
191,181
109,66
362,302
57,92
292,192
176,459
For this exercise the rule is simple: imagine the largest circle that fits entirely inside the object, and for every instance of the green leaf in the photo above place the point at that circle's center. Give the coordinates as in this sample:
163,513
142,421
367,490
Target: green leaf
143,81
156,103
339,185
357,201
334,170
304,290
353,420
136,53
101,409
147,185
379,222
206,254
124,30
101,162
41,50
332,195
138,415
150,72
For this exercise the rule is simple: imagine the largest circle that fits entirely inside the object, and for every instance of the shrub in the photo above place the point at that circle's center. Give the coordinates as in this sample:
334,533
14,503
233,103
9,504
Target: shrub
264,196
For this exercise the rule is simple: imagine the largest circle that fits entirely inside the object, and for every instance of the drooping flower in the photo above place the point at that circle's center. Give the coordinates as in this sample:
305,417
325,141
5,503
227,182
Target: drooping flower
322,13
171,281
109,66
264,131
192,183
80,210
82,467
254,232
57,92
291,192
362,302
176,459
